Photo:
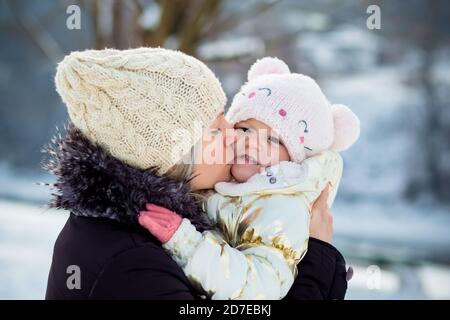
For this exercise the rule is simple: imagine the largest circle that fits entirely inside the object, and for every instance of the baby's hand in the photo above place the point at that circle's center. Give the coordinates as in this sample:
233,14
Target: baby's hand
161,222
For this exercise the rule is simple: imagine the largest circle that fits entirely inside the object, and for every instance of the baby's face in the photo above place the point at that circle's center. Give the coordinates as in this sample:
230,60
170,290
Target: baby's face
257,147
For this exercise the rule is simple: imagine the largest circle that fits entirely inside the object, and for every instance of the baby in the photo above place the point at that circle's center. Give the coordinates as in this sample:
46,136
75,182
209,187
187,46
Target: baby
289,134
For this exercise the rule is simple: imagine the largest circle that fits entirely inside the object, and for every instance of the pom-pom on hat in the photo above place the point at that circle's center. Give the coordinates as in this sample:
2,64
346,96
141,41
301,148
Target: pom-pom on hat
295,107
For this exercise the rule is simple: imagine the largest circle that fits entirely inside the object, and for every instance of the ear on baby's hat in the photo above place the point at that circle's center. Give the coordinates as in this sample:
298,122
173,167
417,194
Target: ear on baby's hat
346,127
267,65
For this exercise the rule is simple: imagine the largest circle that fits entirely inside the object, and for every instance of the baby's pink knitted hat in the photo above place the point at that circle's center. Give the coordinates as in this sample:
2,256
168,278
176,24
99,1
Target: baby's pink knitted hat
294,105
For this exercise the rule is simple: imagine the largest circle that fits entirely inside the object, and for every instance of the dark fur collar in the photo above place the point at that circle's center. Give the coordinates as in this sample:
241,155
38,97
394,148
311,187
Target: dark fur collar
92,183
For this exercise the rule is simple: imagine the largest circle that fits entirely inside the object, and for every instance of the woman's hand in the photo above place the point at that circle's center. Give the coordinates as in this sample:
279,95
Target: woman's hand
161,222
321,225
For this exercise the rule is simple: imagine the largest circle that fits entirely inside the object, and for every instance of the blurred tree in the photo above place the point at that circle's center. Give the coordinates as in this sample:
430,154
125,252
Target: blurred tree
178,24
31,43
34,38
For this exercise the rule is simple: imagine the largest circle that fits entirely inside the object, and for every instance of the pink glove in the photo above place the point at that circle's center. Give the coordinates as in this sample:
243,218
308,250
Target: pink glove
161,222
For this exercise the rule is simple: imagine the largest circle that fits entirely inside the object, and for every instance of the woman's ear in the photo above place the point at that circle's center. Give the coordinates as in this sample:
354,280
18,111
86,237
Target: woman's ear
346,127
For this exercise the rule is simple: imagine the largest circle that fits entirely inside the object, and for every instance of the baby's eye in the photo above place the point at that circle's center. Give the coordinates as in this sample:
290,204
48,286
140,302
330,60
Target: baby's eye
274,140
243,129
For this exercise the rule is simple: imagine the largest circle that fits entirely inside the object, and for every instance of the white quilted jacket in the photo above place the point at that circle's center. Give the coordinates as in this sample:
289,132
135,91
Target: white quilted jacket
263,231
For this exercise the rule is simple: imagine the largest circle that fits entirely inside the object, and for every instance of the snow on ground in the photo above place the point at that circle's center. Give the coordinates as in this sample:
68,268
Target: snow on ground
20,186
399,281
27,235
28,232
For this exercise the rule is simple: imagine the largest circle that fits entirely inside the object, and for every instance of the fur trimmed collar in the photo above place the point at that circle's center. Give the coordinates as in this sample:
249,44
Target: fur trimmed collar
92,183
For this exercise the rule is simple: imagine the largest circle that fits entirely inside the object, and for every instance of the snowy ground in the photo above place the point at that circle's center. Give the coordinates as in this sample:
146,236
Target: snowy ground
27,234
399,281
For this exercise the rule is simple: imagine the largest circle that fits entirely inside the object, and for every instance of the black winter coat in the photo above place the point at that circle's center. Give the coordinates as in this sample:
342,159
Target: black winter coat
115,258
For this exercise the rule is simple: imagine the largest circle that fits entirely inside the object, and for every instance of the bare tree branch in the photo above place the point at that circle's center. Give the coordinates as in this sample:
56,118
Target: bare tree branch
168,14
193,27
235,19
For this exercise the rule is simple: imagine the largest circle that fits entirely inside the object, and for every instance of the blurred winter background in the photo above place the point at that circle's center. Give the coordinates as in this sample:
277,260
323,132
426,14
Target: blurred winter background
392,214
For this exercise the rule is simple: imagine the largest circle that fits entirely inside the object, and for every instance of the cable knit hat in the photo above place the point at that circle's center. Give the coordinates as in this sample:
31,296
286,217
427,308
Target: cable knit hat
146,106
294,106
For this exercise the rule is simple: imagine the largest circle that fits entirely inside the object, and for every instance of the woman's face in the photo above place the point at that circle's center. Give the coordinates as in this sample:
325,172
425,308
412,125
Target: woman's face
216,155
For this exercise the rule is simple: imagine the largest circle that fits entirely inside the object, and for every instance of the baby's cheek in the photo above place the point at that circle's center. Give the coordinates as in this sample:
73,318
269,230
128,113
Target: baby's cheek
270,155
243,172
279,154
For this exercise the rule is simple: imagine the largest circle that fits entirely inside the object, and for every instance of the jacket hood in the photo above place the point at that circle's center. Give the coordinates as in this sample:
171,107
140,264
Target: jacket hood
92,183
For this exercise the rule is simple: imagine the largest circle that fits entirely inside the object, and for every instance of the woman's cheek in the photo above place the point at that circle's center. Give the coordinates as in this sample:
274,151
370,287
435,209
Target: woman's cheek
209,146
211,174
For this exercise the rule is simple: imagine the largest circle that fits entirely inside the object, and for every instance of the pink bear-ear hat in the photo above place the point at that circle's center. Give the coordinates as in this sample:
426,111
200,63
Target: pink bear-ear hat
267,65
340,126
346,127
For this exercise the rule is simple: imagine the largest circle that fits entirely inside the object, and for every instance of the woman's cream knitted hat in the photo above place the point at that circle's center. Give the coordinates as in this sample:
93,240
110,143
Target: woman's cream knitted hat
147,106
